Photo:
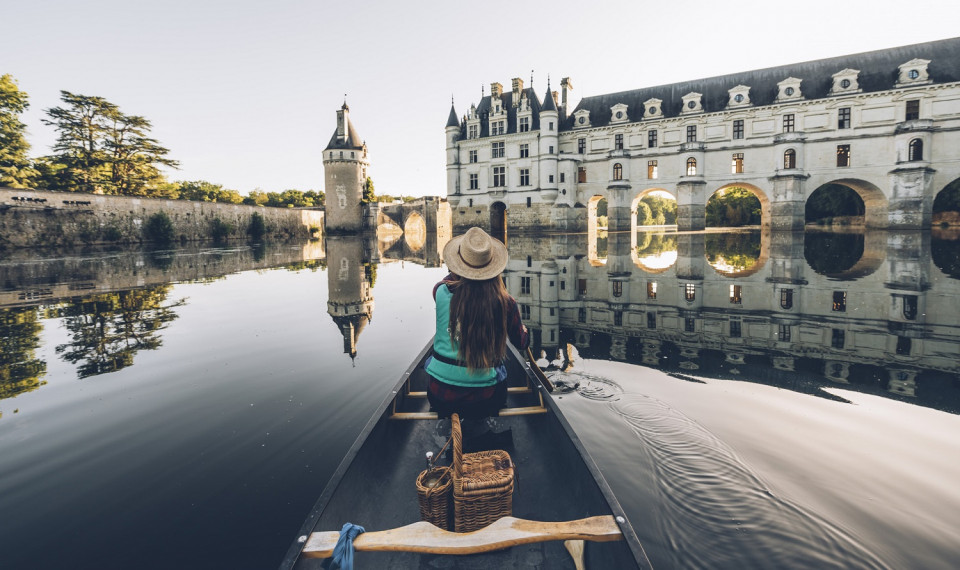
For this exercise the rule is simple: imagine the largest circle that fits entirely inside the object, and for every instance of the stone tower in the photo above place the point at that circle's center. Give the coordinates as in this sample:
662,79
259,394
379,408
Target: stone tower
345,164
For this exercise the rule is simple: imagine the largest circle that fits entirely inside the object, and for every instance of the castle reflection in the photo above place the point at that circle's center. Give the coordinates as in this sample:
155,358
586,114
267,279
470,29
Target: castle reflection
870,311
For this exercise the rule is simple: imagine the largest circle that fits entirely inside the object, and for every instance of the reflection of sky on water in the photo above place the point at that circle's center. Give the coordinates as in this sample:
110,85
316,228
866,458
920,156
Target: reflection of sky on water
660,260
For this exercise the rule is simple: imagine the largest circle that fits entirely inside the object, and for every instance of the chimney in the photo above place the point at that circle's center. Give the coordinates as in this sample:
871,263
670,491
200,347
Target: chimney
517,88
565,84
496,90
555,94
343,119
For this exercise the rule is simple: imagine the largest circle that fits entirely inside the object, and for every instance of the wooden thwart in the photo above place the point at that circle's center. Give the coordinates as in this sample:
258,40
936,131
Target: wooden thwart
504,533
523,411
510,390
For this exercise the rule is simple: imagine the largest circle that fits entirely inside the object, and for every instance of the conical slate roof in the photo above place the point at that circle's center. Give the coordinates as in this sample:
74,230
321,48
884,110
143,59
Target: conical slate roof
352,141
452,120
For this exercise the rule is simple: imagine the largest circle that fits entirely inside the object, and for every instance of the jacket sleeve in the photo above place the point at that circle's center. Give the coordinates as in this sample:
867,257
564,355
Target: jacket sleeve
518,335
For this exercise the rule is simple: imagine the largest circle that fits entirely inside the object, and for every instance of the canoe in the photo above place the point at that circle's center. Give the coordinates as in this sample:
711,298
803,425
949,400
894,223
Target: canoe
563,510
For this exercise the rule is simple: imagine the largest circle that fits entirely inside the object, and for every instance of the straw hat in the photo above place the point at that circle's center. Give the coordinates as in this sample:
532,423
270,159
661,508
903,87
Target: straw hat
475,255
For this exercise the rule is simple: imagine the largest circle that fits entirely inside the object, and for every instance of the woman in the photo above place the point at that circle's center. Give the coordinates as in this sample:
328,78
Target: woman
475,316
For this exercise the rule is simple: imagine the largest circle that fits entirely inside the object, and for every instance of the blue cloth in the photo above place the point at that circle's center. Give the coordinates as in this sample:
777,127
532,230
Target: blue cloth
343,551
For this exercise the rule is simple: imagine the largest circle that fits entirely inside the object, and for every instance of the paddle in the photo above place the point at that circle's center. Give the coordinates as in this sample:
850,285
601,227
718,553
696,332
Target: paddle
504,533
539,373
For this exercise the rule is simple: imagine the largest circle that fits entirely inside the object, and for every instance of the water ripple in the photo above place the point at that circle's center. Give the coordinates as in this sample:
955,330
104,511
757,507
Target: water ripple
717,513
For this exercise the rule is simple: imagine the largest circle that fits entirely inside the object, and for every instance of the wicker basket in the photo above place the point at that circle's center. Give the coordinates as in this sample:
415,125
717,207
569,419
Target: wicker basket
482,484
433,494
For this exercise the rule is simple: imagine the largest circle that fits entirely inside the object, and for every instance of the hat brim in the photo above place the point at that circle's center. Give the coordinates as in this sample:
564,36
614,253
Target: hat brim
456,264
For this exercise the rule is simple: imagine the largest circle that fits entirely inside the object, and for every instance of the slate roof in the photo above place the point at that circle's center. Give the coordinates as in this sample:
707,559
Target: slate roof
506,100
452,120
351,142
879,71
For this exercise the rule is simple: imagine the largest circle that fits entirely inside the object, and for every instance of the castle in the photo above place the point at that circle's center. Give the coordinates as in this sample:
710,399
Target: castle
885,124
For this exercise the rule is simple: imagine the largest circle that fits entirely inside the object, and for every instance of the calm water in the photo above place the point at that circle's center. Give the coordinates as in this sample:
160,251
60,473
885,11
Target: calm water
755,401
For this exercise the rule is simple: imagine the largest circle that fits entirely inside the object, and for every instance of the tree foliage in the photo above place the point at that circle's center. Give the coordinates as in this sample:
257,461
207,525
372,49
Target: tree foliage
103,150
833,200
653,210
15,168
20,369
733,207
948,199
368,192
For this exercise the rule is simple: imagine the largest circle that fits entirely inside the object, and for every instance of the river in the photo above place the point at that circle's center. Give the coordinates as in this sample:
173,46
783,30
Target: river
755,401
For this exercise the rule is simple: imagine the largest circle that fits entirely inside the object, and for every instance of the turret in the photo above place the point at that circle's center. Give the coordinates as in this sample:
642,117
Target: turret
345,164
453,156
549,147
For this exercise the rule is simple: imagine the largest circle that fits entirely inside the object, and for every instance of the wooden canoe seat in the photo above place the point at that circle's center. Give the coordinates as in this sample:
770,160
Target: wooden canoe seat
510,390
504,533
522,411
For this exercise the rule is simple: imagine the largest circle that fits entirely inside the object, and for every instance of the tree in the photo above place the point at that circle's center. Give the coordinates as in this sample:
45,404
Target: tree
368,193
15,168
103,150
733,207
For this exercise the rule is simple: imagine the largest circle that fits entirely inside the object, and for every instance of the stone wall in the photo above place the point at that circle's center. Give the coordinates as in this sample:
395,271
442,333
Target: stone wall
32,218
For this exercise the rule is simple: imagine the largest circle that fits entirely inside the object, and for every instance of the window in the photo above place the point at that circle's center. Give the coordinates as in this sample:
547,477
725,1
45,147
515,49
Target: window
843,118
525,177
581,286
551,150
910,307
581,146
529,261
528,201
689,291
617,288
783,333
474,182
617,171
581,315
651,320
789,158
524,124
788,123
562,177
499,176
563,285
651,289
496,150
581,174
524,285
473,155
692,133
550,179
472,132
618,142
691,166
689,324
843,155
913,109
915,150
652,138
525,312
840,301
838,338
497,127
903,345
738,129
736,294
551,126
736,165
651,169
786,298
618,318
524,151
735,330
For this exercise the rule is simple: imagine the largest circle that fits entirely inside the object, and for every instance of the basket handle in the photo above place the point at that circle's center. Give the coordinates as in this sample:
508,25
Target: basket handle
457,446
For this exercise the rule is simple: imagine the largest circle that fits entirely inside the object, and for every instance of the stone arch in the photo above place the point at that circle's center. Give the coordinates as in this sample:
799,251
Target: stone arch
593,231
946,205
415,231
844,256
654,262
498,221
635,204
765,213
729,268
875,203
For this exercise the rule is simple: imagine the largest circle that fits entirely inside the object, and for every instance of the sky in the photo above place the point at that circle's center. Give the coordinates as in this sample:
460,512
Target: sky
244,93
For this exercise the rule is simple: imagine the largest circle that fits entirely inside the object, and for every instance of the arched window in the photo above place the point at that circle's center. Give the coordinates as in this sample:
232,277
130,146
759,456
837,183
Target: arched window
915,151
789,159
617,171
691,166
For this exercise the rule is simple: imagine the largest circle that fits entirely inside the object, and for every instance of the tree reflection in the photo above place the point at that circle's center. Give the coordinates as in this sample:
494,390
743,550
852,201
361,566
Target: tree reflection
830,253
732,253
108,330
946,256
20,370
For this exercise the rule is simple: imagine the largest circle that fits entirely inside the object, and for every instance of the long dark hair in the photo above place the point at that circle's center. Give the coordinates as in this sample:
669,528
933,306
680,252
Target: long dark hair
478,321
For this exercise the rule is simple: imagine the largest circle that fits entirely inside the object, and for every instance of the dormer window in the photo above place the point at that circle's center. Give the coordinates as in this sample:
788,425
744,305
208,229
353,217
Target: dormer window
652,109
739,96
914,72
692,103
618,113
581,119
789,89
846,81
